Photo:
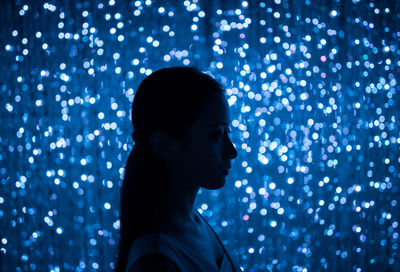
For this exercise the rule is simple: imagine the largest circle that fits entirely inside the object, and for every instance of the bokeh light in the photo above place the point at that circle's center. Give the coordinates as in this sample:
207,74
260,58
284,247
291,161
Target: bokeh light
314,99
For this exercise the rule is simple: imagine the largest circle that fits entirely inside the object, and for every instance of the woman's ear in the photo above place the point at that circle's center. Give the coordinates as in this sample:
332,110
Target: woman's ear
161,144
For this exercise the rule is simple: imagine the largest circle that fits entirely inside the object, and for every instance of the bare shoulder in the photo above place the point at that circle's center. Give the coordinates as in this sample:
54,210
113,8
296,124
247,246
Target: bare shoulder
154,262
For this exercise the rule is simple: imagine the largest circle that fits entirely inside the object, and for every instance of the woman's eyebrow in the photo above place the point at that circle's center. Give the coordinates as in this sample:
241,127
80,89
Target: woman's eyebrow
218,124
221,124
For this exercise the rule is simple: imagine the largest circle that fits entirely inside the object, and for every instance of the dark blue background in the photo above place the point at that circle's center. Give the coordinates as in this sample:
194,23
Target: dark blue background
315,186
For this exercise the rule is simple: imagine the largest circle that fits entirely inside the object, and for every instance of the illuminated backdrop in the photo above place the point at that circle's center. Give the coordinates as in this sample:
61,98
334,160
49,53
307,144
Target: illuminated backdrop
315,111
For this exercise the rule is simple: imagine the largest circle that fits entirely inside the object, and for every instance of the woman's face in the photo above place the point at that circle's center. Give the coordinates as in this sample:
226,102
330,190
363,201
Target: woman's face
205,157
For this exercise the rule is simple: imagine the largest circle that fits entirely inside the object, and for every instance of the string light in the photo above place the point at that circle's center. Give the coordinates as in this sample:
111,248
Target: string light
315,105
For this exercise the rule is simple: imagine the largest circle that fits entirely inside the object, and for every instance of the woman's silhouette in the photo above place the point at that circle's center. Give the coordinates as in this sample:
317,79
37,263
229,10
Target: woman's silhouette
181,123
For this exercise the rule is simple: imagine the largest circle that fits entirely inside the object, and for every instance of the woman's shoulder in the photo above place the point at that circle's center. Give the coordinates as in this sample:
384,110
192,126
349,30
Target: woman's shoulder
149,246
154,262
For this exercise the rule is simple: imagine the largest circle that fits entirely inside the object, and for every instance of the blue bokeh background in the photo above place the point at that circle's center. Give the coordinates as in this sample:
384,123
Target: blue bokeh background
314,101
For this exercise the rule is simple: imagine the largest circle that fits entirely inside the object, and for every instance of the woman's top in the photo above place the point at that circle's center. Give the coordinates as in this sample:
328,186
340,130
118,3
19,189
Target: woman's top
184,257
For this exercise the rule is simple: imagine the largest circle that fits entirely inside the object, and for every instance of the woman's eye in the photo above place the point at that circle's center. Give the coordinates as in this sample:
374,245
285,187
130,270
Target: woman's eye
218,134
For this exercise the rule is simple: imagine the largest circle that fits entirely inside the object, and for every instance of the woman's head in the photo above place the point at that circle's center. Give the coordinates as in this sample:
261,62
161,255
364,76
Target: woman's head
174,113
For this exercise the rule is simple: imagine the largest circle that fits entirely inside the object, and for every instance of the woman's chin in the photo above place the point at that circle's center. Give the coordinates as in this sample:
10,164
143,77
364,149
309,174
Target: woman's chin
218,184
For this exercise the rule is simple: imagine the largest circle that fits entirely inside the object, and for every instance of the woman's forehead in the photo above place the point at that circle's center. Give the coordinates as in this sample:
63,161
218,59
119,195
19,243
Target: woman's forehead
215,110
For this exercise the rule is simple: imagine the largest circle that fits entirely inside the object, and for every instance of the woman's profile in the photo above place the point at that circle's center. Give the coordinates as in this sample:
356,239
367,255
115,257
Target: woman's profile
181,123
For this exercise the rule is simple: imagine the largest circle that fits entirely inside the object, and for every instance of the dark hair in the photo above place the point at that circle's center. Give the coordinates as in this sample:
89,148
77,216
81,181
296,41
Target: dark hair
168,100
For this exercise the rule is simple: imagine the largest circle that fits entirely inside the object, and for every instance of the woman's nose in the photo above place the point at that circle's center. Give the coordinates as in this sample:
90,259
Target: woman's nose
232,153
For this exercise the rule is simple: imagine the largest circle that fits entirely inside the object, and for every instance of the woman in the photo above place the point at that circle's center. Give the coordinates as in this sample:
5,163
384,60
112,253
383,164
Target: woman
181,122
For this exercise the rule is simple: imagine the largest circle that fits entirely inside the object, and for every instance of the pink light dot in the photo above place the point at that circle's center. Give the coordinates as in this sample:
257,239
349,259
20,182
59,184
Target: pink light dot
323,75
323,58
242,36
245,217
